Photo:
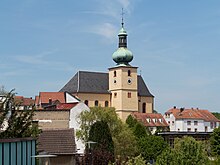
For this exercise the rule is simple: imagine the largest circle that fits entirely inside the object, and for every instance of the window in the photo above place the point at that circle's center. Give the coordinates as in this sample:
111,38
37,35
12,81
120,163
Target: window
115,95
172,122
206,128
195,122
214,124
86,102
96,103
211,124
188,129
106,103
169,122
129,94
188,122
178,129
129,73
144,107
195,129
114,73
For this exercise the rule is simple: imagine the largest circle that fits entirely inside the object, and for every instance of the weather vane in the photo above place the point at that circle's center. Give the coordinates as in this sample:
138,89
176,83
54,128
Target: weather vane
122,17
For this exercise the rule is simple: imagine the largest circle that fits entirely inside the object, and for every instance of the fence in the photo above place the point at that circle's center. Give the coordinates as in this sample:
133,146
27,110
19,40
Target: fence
17,151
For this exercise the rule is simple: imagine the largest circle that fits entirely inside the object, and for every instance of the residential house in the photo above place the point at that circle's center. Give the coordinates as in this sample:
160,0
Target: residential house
191,120
23,103
59,110
153,121
60,143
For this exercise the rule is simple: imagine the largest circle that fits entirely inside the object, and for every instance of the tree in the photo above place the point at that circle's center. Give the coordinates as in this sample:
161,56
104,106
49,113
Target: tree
215,142
14,123
125,144
151,146
216,114
103,149
186,151
139,130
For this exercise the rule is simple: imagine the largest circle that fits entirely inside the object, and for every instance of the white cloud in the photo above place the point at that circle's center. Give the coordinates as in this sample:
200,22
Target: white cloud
41,60
106,30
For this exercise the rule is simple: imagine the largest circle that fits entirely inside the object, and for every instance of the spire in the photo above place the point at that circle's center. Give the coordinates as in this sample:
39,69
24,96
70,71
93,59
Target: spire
122,56
122,18
122,33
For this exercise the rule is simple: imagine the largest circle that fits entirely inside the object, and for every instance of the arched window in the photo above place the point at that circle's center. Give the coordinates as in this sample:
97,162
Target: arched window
96,103
129,73
114,73
86,102
106,103
144,107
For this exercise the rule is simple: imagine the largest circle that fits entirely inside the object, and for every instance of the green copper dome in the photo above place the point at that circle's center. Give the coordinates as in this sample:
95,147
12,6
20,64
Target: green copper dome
122,32
122,56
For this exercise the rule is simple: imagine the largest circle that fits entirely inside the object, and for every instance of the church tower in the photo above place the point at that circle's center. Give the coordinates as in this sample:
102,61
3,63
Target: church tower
123,84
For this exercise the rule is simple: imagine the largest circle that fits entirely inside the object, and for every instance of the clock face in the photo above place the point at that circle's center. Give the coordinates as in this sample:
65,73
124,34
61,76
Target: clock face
129,81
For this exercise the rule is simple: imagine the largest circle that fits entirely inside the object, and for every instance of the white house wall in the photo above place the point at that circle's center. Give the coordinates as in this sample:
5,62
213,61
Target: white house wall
71,99
73,123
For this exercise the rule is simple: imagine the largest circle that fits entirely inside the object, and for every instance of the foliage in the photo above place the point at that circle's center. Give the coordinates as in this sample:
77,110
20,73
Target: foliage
2,90
16,123
151,146
216,114
138,160
215,142
186,151
104,147
125,144
88,118
139,130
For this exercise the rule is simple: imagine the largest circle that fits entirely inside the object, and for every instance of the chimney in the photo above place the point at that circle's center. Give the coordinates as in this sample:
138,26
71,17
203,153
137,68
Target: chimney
181,110
50,101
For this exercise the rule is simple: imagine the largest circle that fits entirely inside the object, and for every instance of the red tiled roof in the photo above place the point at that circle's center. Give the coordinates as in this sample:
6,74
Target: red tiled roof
57,141
36,100
45,96
193,114
23,101
148,119
65,105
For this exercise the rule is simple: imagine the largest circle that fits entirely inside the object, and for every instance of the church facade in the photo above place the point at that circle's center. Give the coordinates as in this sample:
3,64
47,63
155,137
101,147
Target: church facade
121,87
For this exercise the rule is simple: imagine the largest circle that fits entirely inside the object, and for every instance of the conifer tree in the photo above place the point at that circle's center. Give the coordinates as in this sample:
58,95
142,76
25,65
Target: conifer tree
16,123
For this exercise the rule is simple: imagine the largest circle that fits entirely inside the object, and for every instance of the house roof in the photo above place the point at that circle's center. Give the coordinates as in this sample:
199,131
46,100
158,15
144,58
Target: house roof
44,97
66,105
193,114
23,101
97,82
57,141
150,119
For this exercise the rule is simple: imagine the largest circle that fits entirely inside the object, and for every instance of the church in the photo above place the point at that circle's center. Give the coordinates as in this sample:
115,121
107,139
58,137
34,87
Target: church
121,87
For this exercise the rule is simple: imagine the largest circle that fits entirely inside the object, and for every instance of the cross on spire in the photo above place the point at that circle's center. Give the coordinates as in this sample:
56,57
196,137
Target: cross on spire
122,17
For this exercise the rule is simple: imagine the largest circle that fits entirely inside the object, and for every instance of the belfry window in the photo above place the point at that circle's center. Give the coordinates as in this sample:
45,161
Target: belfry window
114,73
144,107
129,73
96,103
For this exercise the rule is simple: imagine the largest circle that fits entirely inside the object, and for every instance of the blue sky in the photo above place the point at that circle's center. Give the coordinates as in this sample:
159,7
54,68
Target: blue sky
175,44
